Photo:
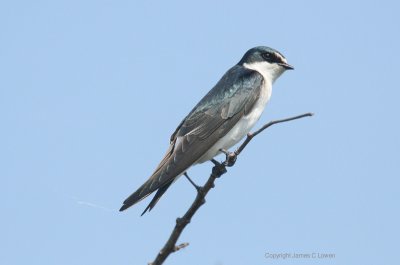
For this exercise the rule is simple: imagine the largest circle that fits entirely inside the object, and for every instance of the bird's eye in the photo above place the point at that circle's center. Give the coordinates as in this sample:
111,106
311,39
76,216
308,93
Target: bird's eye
271,57
267,56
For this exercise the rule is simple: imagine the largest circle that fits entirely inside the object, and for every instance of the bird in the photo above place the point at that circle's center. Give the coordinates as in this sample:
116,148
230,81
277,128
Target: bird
220,120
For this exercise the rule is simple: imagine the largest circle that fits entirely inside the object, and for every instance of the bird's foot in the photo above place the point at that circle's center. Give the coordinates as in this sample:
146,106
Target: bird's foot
219,169
197,187
230,159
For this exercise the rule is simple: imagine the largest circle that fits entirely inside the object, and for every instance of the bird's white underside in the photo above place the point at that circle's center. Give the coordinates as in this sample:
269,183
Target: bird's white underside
270,73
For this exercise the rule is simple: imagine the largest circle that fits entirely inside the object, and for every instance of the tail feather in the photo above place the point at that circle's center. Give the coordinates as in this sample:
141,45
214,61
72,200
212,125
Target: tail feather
157,197
145,190
142,193
134,198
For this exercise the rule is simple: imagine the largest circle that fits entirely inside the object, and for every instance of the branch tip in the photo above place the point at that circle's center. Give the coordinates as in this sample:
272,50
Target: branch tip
180,246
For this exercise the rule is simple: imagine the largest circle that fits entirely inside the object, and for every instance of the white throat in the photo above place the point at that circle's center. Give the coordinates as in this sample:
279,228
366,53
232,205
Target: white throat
269,71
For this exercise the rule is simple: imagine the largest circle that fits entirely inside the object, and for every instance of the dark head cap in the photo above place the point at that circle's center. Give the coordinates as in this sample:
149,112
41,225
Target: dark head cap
264,54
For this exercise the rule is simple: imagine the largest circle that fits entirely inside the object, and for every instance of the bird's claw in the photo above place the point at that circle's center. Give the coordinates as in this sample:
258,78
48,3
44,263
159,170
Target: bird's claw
230,159
219,170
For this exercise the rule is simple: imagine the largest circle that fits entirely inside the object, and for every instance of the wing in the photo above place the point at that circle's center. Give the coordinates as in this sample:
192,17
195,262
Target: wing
212,118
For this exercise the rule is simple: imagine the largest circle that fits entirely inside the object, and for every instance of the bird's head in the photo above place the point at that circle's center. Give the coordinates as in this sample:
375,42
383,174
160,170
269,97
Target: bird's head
267,61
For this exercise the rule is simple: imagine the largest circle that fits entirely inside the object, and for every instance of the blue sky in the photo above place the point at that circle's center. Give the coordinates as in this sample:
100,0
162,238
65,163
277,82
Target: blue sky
90,92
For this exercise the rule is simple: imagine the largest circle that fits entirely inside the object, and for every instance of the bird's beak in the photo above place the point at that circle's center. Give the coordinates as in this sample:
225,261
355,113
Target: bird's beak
287,66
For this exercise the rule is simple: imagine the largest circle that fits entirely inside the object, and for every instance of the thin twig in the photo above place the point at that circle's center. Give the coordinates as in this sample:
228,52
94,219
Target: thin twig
251,135
218,170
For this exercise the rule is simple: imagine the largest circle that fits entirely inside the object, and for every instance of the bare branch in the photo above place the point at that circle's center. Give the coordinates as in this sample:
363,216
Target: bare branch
251,135
218,170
